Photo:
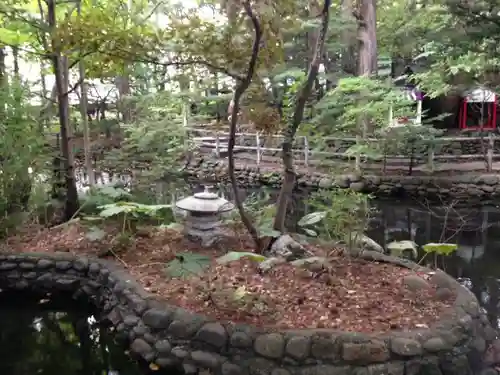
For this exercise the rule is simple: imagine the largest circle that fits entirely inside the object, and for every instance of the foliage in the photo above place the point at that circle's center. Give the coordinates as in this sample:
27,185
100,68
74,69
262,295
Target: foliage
101,195
22,149
440,248
341,213
155,143
187,264
403,249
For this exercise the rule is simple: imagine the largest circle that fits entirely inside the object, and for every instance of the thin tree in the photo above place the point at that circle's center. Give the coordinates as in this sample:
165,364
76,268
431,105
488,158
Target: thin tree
71,200
297,117
241,87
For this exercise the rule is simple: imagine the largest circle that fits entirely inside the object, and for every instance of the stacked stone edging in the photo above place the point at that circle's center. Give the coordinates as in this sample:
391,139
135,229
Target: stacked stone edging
478,187
172,337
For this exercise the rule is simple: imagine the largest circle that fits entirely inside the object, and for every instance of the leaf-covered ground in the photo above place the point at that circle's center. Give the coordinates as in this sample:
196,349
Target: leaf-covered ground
353,295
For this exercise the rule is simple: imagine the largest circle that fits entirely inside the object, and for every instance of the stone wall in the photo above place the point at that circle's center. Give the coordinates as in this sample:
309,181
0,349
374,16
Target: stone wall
171,337
460,187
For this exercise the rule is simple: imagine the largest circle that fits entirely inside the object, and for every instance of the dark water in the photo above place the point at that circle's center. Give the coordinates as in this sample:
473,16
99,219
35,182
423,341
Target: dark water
50,337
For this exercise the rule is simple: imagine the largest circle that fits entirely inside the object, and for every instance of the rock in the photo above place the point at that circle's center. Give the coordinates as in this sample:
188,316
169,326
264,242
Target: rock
298,347
230,369
280,371
81,264
489,371
141,347
130,320
489,179
270,263
205,359
165,361
212,333
157,318
189,369
324,347
26,266
44,264
314,264
325,183
179,352
241,340
357,186
286,247
435,344
270,345
442,280
63,265
342,182
163,346
406,347
415,283
365,352
444,294
7,266
365,242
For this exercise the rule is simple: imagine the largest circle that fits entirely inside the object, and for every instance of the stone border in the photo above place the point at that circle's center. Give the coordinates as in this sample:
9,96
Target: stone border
172,337
460,187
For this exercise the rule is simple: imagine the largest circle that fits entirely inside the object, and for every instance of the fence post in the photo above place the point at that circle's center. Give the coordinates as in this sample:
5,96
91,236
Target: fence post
430,157
306,151
257,141
491,145
217,144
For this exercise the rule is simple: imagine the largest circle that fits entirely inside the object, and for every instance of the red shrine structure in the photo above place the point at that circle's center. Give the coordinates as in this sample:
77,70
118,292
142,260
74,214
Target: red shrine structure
478,110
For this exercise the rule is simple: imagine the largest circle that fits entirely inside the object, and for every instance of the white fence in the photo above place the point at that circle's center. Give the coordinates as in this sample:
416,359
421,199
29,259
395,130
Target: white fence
440,150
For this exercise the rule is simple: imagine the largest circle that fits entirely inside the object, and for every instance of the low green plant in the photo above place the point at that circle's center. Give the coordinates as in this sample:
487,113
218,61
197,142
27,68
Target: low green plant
261,212
341,214
129,215
405,248
187,264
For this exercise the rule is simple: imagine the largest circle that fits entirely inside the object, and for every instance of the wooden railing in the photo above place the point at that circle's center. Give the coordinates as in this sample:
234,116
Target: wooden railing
439,150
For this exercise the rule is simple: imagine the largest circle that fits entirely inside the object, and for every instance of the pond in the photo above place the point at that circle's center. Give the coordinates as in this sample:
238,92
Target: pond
52,337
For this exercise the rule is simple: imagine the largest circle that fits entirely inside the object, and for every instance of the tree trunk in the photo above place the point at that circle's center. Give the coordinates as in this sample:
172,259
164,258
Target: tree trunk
367,36
15,54
367,59
349,39
240,89
123,85
302,96
71,199
85,119
3,80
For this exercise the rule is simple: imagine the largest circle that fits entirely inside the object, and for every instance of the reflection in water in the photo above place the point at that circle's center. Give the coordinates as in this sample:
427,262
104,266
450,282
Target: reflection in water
45,338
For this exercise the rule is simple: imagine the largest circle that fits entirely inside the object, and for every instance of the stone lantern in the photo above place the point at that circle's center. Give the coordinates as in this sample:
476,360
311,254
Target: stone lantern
203,220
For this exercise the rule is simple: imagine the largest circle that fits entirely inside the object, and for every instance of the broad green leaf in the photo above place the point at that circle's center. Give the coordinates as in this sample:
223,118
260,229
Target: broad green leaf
237,255
312,218
310,232
440,248
113,210
398,248
187,264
